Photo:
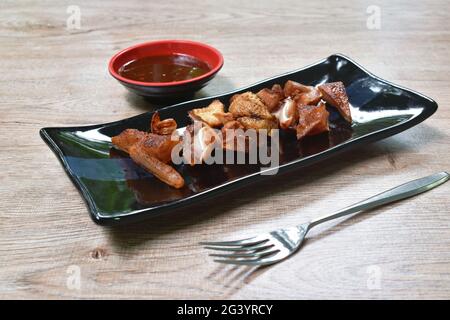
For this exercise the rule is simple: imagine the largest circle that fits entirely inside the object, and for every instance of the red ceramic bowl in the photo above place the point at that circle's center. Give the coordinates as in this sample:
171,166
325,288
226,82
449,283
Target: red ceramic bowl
211,56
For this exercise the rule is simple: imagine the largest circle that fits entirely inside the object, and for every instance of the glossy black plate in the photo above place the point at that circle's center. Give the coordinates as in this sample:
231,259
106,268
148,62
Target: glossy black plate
117,190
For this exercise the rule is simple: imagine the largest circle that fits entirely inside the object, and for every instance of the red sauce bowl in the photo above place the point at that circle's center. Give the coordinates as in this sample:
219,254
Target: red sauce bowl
211,56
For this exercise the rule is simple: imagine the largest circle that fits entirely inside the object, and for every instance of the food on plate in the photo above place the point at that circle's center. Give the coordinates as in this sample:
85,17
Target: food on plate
213,115
157,145
311,120
252,113
152,152
286,113
248,104
165,127
199,144
295,107
310,97
271,97
292,88
258,123
234,137
159,169
334,94
127,139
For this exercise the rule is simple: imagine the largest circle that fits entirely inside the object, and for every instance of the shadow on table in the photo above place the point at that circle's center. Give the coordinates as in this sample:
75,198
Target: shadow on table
233,277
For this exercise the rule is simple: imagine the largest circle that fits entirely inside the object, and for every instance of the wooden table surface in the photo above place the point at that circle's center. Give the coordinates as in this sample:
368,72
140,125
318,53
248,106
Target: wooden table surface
55,75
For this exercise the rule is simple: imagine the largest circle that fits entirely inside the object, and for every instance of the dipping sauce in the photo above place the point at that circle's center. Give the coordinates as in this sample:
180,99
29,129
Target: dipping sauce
167,68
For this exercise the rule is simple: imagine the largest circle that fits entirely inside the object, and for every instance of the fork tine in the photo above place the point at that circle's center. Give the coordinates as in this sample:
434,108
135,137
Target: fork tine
250,262
257,254
243,242
258,247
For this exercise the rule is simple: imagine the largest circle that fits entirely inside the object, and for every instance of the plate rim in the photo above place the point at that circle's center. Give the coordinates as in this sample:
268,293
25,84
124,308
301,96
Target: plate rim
108,219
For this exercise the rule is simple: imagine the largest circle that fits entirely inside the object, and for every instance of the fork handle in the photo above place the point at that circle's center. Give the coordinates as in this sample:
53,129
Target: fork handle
400,192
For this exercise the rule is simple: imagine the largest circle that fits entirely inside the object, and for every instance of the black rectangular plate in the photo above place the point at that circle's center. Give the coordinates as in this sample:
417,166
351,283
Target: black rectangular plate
116,190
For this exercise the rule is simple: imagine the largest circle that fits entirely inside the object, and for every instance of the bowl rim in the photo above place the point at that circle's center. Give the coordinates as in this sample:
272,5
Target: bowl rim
214,70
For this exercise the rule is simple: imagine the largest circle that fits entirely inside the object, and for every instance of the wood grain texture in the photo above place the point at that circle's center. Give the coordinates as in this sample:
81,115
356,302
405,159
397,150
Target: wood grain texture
52,76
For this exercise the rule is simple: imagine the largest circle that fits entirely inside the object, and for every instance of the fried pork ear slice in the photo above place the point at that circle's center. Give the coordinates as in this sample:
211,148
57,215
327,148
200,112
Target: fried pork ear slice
199,143
164,127
292,88
160,146
127,138
249,104
312,120
334,93
287,114
213,115
159,169
311,97
271,97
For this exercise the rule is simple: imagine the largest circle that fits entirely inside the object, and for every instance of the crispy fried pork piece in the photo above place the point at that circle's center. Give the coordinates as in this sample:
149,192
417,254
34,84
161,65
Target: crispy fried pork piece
213,115
334,93
127,138
271,97
258,123
278,90
312,120
323,125
292,88
287,114
249,104
234,137
224,117
311,97
205,141
232,125
164,127
159,169
199,143
159,146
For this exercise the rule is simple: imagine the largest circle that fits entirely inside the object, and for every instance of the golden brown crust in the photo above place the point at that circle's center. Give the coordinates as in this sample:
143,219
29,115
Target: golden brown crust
159,146
234,138
334,93
249,104
312,120
159,169
292,88
212,115
224,117
164,127
271,97
311,97
127,138
258,124
278,90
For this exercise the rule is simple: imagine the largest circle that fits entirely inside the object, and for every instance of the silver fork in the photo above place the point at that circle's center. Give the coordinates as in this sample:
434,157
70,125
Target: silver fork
277,245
